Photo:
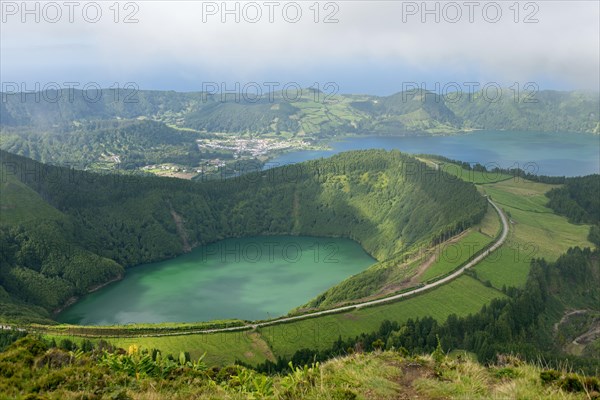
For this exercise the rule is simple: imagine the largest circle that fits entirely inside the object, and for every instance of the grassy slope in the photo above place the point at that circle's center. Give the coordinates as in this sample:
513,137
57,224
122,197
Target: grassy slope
220,348
450,255
377,375
477,177
20,204
462,296
535,232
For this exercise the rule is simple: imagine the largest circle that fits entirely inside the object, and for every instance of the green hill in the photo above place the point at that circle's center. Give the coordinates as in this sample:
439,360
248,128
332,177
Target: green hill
410,112
90,226
106,144
88,128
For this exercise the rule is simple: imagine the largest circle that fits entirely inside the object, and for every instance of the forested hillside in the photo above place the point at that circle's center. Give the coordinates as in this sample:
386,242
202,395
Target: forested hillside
103,143
579,200
64,231
546,111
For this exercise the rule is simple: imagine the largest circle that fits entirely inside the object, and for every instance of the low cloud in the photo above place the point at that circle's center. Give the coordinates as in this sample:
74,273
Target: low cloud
179,40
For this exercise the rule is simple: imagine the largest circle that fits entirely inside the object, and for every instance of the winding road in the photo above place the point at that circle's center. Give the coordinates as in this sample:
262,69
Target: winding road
369,303
424,288
392,298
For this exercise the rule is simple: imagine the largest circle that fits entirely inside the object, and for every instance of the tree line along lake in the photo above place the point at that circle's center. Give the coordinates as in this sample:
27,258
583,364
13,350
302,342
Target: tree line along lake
263,277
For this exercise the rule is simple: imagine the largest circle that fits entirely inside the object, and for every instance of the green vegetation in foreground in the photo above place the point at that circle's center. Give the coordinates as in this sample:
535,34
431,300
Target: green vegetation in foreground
220,348
31,370
107,223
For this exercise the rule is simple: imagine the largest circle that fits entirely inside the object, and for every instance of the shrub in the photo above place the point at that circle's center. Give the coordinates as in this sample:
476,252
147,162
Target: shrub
54,358
592,384
507,373
549,376
343,394
571,383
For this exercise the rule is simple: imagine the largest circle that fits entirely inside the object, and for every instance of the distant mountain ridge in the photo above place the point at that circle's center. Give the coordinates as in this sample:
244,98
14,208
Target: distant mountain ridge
312,113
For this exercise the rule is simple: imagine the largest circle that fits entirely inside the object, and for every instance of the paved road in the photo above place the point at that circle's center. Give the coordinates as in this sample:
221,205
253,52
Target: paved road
424,288
393,298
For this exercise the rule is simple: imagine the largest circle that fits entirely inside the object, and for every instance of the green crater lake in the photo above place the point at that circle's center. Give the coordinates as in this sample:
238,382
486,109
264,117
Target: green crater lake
247,278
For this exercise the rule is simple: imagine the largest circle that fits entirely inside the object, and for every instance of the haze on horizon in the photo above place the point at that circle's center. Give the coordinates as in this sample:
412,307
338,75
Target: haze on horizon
367,47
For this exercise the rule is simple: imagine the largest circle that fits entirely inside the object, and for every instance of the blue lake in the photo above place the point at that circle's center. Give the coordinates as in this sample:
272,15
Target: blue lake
555,154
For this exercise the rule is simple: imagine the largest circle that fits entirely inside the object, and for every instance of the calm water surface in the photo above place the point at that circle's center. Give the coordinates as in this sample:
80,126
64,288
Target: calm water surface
248,278
560,154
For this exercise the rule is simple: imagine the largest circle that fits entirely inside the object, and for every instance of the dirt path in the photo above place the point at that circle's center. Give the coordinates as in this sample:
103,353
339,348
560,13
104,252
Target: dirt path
261,346
414,279
592,334
566,316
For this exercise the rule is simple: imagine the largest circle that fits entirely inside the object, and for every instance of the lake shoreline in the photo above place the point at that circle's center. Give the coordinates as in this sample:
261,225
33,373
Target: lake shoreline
74,299
294,268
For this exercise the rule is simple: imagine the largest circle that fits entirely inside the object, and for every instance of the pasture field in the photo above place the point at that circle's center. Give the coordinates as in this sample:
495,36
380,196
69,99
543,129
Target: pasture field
451,255
535,231
476,177
20,204
490,225
462,296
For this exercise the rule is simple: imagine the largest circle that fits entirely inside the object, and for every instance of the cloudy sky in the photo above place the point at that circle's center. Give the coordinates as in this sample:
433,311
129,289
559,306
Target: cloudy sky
362,46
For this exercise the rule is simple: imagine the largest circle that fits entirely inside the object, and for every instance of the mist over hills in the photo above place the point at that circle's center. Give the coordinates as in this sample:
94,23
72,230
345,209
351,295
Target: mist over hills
311,112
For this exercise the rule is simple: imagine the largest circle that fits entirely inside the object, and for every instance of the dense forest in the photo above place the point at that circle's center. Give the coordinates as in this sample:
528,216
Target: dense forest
579,200
65,231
